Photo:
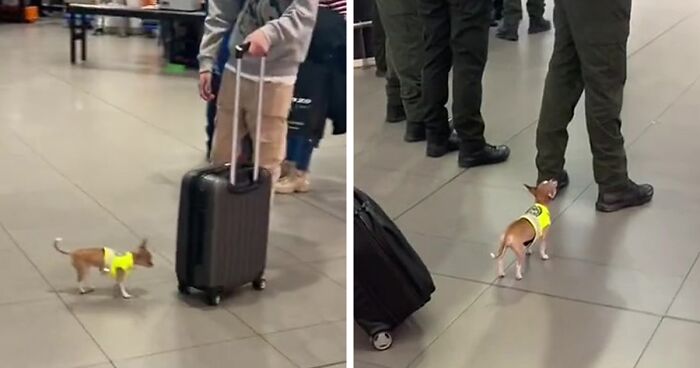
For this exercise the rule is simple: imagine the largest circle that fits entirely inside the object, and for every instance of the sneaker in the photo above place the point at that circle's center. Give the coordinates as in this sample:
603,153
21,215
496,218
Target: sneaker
439,148
508,33
294,183
539,25
395,114
632,196
486,156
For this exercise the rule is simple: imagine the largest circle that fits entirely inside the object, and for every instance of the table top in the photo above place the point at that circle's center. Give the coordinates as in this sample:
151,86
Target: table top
145,13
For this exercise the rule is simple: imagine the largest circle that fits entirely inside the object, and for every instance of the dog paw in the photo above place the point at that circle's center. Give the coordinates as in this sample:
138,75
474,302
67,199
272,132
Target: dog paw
545,257
126,296
86,291
502,275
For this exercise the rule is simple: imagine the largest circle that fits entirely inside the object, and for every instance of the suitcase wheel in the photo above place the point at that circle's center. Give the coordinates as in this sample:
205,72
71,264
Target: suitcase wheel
183,289
213,297
381,340
260,283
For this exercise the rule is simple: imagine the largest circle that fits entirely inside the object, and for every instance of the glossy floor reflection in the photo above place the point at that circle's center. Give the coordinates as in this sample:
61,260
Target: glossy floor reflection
621,290
94,153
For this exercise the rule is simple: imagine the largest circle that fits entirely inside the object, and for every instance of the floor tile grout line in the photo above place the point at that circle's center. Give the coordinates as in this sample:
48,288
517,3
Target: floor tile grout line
316,206
191,347
432,341
56,292
373,364
668,309
329,364
685,279
123,110
86,193
648,343
682,319
576,300
667,30
262,337
453,178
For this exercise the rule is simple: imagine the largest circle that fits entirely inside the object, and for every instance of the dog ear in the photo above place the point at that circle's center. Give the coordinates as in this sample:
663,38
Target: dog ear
530,189
143,244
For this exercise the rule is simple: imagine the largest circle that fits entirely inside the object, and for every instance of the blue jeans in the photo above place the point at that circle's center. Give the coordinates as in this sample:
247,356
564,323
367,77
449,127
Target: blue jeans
299,149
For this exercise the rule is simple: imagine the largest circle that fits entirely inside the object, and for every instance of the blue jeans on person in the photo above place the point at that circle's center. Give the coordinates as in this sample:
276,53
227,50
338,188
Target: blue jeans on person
299,149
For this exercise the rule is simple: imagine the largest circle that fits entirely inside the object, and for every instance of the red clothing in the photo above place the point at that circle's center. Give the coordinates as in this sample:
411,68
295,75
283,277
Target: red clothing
338,6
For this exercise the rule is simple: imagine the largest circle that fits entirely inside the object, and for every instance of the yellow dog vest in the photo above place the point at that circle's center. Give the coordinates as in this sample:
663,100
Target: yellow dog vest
118,261
538,216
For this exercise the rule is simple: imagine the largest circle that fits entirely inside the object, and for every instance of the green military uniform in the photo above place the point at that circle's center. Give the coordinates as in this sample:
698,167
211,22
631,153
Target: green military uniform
404,54
457,38
513,11
590,54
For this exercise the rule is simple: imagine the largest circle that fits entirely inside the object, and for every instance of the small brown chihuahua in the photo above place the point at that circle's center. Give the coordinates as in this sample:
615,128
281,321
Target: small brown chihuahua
117,265
532,227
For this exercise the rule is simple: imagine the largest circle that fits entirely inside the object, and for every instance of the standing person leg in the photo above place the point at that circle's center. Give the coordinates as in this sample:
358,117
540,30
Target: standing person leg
404,33
538,23
562,91
277,100
469,39
379,39
603,54
211,111
395,112
497,10
512,15
223,132
436,69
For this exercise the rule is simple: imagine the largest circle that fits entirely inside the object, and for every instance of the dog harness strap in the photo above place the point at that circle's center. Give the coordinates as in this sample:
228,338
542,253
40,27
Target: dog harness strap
115,261
539,217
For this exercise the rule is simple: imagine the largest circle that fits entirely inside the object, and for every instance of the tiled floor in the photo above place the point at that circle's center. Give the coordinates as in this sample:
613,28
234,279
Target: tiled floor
94,153
621,290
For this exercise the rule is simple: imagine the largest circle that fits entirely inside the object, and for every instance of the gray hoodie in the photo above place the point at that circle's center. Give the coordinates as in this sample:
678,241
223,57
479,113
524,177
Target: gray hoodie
288,24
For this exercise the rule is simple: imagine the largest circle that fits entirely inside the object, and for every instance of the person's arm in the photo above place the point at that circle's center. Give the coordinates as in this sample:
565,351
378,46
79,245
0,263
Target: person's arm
221,16
295,24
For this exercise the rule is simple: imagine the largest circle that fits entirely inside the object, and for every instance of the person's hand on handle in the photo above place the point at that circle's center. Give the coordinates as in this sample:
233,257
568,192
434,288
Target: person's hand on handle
259,44
205,91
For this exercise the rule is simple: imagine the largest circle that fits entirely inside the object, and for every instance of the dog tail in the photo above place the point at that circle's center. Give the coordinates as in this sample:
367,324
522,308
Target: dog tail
501,250
56,242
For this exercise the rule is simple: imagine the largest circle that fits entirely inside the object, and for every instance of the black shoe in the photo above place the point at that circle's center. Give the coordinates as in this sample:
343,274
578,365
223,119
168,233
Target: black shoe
508,33
485,156
415,132
494,22
538,25
634,195
439,148
395,114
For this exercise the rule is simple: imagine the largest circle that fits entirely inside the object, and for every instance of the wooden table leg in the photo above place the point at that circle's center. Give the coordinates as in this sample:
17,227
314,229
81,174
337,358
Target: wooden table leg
71,23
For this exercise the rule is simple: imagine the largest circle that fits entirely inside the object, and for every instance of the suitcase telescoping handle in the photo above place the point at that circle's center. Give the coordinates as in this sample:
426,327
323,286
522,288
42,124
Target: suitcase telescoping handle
239,52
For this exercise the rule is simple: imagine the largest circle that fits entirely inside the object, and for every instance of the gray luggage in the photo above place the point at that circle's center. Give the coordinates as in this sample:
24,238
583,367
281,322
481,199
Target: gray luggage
223,220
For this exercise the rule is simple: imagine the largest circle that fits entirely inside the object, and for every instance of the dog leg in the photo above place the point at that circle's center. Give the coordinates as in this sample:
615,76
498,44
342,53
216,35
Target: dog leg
82,271
500,269
121,278
528,250
543,249
519,262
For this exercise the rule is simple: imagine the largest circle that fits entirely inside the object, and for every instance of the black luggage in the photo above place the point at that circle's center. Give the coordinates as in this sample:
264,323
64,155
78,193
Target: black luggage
223,223
391,281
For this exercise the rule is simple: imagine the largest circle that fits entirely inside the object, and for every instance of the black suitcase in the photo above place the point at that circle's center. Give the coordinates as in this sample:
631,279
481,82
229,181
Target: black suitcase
391,281
223,224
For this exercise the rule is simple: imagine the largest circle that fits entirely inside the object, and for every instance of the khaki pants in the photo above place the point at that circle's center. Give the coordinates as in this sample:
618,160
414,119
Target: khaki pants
277,100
